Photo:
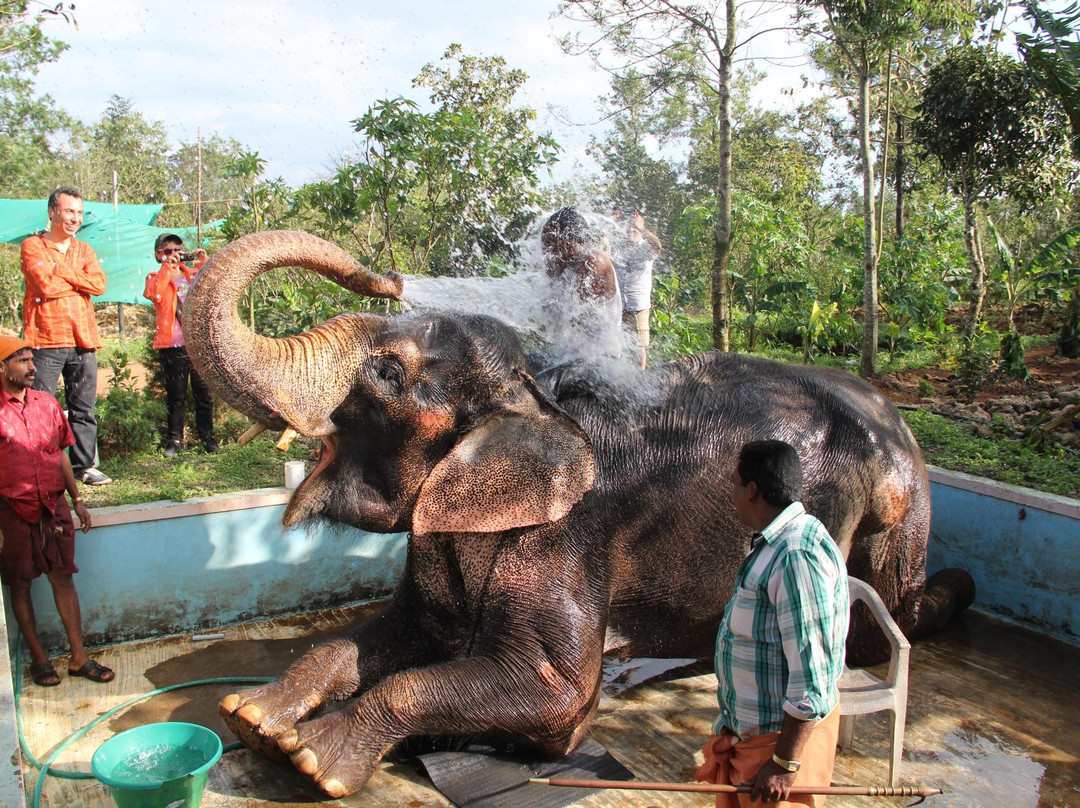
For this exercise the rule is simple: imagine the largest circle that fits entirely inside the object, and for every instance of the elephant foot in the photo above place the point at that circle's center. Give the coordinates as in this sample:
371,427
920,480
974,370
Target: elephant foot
329,751
260,715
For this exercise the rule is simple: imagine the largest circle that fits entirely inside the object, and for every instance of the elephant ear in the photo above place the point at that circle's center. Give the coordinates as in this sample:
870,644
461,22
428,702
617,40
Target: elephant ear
513,470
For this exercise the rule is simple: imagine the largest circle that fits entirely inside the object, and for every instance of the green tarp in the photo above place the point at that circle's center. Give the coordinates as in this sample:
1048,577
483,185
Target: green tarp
123,239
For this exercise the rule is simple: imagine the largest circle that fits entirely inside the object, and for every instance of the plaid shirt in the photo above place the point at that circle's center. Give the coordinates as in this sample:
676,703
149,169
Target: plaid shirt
780,647
57,310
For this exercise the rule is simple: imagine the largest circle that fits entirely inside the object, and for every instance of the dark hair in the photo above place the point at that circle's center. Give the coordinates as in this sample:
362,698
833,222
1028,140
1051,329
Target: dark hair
167,238
567,223
54,197
774,466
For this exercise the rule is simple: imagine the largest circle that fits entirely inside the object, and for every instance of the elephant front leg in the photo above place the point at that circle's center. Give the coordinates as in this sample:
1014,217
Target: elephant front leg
547,709
329,673
259,715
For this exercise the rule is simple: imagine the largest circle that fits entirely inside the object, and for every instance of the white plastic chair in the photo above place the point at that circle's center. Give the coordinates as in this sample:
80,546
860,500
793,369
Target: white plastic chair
862,692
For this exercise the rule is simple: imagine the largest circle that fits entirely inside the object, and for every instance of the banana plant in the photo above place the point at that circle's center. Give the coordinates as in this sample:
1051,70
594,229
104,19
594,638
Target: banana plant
815,326
1052,267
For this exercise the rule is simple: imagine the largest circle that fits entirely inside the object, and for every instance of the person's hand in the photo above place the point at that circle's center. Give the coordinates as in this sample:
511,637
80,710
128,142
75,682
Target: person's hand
772,783
85,520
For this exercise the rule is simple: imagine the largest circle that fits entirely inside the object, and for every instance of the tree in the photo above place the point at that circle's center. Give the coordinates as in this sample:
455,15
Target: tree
221,188
124,142
634,177
994,131
674,44
449,189
30,125
858,39
1053,52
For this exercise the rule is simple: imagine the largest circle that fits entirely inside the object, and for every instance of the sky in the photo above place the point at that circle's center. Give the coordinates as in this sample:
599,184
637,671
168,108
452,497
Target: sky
287,77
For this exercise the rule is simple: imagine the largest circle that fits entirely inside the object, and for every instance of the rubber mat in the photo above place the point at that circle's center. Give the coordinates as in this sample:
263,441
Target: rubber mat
481,780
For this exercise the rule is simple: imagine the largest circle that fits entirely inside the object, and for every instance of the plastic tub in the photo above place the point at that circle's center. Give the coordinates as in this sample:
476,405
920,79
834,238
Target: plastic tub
162,765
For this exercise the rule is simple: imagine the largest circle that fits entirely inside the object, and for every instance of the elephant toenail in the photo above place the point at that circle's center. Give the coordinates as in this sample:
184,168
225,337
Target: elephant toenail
288,741
229,704
251,713
334,788
305,761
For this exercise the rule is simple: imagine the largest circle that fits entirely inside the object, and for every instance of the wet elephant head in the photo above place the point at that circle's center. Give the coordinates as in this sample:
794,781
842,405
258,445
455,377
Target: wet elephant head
428,422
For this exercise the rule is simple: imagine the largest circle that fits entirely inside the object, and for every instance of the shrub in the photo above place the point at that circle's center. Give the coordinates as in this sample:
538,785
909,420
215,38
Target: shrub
127,419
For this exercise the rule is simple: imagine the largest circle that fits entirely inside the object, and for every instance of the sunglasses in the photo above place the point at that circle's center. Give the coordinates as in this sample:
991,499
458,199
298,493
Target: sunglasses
171,250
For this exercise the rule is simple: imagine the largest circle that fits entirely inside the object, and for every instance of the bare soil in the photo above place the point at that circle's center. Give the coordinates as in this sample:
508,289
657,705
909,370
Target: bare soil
1049,372
1052,392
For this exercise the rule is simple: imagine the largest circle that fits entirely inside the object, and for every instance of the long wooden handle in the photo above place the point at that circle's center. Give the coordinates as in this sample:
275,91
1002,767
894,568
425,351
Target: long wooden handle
714,788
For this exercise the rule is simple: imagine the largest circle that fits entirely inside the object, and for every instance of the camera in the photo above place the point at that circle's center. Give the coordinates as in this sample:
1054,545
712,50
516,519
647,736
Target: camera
187,256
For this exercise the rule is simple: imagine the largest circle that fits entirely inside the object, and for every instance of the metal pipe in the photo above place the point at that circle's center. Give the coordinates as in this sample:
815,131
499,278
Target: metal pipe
720,788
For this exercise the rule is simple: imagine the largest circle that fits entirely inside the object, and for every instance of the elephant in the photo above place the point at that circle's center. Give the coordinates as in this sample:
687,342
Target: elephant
554,513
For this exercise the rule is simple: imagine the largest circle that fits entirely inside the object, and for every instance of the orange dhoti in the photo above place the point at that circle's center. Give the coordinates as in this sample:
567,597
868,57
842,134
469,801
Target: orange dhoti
729,762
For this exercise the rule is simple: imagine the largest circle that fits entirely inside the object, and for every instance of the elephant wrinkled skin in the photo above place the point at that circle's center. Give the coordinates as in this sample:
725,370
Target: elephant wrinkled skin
554,514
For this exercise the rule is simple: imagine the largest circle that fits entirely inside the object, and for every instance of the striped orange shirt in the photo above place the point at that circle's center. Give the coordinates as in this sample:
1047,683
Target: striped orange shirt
57,310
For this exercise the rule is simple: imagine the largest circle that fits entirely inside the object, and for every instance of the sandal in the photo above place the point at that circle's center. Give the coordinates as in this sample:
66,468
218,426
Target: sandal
44,674
94,671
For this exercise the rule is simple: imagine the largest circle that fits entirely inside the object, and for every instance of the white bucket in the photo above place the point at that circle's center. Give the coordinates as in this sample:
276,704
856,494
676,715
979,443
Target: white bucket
294,473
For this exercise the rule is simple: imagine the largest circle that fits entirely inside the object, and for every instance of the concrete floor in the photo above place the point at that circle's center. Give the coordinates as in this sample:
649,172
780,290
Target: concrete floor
993,719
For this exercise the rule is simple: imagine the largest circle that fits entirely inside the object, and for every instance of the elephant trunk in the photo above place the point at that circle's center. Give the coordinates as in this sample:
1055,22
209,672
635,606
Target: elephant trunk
298,381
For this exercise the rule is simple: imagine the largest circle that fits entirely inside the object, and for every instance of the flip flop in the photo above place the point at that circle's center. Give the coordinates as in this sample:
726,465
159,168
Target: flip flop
94,671
44,674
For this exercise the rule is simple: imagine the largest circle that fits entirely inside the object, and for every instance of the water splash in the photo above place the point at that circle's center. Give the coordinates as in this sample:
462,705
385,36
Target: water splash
543,310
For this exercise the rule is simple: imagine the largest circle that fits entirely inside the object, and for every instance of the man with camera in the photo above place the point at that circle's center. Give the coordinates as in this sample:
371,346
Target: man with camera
166,289
62,274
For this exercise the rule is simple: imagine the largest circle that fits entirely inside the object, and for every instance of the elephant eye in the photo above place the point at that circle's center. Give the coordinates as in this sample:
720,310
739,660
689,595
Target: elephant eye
392,375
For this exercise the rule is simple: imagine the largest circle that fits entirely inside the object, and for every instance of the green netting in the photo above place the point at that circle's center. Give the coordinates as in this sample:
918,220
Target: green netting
122,238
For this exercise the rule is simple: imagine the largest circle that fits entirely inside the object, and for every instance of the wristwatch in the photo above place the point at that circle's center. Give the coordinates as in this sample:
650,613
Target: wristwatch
787,765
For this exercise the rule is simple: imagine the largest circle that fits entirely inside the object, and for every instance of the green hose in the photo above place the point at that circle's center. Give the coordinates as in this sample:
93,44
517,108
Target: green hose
46,767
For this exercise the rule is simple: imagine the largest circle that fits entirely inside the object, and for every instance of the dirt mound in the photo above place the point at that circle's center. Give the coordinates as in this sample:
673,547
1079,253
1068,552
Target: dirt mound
1053,390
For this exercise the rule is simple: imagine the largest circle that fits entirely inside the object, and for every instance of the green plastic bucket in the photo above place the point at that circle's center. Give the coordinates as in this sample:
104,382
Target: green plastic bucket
157,765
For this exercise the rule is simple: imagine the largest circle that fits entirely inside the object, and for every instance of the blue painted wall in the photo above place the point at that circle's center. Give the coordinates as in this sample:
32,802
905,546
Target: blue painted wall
196,572
1021,546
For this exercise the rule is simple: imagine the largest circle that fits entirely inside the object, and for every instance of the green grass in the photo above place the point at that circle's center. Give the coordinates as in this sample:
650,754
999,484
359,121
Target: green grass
953,445
149,476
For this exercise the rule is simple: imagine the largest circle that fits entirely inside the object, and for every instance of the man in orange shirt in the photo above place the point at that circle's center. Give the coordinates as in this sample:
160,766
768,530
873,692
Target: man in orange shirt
166,289
61,274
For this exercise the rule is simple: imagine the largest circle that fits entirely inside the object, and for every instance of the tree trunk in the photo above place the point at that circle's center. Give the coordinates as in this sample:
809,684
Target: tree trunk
868,366
898,174
721,304
977,267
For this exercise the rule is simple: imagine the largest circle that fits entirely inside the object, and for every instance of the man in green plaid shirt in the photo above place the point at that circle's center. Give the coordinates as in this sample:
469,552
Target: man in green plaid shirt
780,647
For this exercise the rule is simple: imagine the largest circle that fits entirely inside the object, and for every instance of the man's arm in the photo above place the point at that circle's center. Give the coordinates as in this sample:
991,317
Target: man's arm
773,782
596,277
45,278
90,278
652,240
150,290
72,487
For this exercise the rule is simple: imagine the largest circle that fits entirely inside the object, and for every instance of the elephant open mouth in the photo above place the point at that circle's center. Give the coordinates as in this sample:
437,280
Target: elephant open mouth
307,499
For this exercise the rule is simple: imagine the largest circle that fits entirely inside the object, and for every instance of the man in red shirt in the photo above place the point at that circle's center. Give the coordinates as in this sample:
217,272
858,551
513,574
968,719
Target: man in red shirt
62,273
37,534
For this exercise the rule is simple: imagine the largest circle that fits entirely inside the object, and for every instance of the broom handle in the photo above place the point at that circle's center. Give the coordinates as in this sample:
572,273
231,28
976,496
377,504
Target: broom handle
714,788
